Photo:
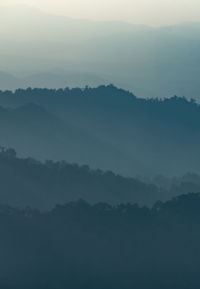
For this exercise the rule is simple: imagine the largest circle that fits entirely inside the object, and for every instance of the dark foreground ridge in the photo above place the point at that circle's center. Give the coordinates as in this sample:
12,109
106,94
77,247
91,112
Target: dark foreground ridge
84,246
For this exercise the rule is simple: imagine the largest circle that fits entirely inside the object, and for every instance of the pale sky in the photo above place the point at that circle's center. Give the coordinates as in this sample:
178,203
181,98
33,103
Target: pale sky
151,12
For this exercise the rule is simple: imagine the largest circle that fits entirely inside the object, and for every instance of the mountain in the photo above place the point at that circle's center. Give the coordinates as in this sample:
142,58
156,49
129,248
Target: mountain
104,127
152,62
79,245
48,79
34,131
28,182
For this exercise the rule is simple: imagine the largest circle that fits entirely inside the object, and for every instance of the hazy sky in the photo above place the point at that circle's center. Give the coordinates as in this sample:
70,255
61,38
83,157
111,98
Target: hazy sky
153,12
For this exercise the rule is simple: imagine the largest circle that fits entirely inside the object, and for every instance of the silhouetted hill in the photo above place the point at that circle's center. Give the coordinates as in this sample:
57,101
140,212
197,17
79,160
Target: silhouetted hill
80,246
34,131
110,128
27,182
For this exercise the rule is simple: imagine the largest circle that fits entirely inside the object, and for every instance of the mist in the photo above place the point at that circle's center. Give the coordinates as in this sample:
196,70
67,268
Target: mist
149,12
99,144
42,50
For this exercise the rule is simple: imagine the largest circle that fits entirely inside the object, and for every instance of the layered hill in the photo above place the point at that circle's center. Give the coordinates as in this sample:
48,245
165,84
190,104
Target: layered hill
104,127
149,61
27,182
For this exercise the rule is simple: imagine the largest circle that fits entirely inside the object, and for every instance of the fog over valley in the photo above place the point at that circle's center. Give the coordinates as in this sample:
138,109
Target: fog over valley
44,50
99,144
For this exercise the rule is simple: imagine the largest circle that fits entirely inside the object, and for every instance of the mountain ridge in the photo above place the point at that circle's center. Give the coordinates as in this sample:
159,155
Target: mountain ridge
149,61
109,128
